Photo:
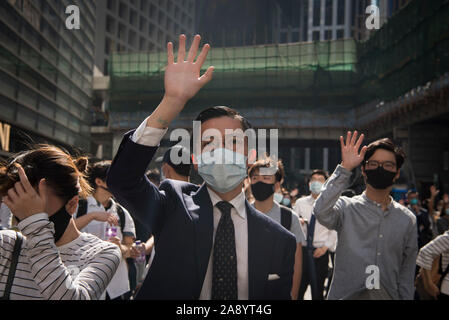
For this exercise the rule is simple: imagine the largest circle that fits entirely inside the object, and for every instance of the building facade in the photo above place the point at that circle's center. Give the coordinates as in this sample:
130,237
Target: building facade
45,74
130,26
139,25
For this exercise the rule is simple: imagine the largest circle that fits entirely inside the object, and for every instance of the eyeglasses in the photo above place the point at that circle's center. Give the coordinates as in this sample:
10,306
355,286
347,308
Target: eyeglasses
387,165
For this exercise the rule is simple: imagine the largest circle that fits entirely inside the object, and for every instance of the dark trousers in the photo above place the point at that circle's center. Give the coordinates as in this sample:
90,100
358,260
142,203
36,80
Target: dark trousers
321,269
443,297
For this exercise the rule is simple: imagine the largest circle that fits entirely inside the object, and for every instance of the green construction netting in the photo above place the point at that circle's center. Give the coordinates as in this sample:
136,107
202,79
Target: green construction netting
409,50
331,55
269,72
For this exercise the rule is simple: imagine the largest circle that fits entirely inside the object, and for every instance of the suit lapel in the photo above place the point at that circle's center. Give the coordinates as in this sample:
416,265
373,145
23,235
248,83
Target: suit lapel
202,214
259,244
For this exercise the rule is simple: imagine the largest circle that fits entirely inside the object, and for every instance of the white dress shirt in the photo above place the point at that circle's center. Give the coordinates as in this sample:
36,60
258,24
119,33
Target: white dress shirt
119,283
322,236
151,137
238,216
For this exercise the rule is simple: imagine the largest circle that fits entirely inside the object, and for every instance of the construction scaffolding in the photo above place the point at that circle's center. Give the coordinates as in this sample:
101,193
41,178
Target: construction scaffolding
296,67
411,49
278,85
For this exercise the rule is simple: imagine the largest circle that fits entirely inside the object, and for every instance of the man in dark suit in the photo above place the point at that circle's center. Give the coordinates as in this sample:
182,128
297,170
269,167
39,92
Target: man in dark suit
209,242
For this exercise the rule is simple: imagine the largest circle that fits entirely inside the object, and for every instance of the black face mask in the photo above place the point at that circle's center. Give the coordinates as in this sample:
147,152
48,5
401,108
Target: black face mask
262,191
380,178
60,220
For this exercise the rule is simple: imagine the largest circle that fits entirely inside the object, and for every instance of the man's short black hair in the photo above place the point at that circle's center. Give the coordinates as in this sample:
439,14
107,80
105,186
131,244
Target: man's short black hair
222,111
154,175
98,170
182,169
319,172
388,145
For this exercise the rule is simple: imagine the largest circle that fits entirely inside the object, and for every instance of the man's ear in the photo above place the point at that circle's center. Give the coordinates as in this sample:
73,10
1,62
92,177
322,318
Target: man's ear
398,174
195,164
252,155
99,182
72,205
277,186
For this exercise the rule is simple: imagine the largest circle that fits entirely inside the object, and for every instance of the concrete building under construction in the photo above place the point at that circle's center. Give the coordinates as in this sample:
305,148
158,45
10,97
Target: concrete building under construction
395,84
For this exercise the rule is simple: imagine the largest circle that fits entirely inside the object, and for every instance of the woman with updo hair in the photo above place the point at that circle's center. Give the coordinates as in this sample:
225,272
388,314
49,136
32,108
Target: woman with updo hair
50,258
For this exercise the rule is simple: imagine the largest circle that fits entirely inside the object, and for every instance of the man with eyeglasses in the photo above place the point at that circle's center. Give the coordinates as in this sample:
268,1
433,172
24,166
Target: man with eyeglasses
377,239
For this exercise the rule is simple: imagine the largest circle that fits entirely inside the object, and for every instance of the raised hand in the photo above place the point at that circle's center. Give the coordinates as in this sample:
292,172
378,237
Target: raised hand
351,158
23,200
182,81
182,78
433,191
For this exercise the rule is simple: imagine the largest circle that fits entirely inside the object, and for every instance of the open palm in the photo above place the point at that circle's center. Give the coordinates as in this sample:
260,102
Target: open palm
351,158
182,78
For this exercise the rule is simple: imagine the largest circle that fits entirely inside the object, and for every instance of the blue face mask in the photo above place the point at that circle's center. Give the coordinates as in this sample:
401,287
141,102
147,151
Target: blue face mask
285,201
414,201
277,197
222,169
315,187
447,211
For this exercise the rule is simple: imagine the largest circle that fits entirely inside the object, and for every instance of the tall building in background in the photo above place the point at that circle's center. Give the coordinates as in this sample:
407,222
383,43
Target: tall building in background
139,25
45,74
130,26
252,22
318,20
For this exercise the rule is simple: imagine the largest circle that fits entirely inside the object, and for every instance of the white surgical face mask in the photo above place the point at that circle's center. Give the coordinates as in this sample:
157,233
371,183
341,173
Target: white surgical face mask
315,187
222,169
278,197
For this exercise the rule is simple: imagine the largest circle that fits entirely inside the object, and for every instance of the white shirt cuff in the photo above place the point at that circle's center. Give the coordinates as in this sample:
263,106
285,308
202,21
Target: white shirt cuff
148,136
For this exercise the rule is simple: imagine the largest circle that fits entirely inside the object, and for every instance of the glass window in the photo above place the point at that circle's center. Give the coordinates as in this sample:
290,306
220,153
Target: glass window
316,36
341,12
328,13
340,34
316,12
328,35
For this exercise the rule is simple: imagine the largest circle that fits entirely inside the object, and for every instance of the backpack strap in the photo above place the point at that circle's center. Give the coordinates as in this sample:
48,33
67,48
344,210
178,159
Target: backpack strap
82,208
121,216
286,218
13,265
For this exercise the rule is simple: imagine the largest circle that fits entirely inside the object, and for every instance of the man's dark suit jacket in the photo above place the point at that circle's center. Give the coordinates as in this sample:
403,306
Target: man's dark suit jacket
180,216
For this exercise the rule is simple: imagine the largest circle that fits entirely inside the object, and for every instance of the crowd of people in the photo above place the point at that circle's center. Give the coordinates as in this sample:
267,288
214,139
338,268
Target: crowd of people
115,230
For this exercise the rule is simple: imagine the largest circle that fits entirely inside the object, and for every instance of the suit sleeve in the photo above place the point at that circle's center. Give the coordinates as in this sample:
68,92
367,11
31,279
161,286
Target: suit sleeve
328,207
130,186
288,268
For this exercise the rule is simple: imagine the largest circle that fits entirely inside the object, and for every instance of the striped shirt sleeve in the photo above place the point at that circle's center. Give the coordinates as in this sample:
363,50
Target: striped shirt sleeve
57,281
432,250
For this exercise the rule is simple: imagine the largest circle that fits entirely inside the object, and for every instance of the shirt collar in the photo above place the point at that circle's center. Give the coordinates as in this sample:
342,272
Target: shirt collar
238,202
310,198
390,205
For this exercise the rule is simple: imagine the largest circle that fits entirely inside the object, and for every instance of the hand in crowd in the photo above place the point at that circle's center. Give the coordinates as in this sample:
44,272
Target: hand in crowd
433,192
182,78
351,158
104,216
135,250
319,252
23,200
432,289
